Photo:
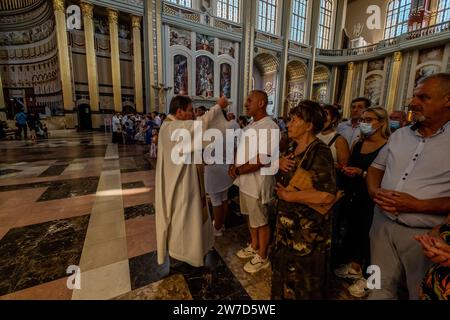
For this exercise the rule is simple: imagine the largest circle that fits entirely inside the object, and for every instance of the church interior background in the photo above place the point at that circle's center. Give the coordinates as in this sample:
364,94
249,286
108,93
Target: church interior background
76,63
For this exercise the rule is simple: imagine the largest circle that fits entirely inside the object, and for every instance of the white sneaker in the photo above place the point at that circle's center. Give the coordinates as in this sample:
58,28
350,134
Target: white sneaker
347,272
359,288
256,264
247,252
218,233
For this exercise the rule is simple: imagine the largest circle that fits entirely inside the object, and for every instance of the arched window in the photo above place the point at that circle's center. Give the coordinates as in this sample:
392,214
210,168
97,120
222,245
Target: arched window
298,26
228,9
325,23
443,13
267,13
397,18
185,3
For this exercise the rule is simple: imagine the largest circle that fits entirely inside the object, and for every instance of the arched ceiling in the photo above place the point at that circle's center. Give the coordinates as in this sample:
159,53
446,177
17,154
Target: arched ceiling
8,7
296,70
266,63
320,74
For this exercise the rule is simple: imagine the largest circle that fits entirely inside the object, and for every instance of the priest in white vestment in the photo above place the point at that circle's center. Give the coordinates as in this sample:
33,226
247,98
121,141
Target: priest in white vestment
183,225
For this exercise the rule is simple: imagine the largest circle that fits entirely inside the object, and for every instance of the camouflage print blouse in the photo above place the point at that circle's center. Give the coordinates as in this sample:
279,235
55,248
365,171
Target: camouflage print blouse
300,227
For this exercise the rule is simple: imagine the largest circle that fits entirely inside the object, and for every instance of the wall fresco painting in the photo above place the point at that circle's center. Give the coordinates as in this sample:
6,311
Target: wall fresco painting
434,54
375,65
225,80
373,86
205,43
226,47
426,71
181,80
180,37
205,77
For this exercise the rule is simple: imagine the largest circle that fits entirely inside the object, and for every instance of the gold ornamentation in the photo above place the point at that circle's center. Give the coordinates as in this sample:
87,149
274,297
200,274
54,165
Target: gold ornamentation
58,5
397,56
113,16
136,21
87,9
350,66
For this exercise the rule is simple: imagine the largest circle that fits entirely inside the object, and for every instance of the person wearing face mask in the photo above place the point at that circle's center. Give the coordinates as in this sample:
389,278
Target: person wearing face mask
397,120
358,206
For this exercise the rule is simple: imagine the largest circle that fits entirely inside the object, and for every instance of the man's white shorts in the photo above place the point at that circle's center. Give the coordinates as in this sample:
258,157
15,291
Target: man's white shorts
218,198
253,207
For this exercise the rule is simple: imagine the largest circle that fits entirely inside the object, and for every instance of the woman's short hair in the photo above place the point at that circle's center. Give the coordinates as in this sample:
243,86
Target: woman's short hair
179,102
310,112
381,115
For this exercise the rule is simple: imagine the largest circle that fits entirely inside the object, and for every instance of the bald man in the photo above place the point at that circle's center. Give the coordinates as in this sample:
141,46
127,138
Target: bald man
410,183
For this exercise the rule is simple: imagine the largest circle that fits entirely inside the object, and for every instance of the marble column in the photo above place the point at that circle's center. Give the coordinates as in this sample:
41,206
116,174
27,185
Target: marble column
348,90
149,52
64,62
285,33
313,43
159,56
333,84
246,52
91,59
2,101
394,79
137,63
113,17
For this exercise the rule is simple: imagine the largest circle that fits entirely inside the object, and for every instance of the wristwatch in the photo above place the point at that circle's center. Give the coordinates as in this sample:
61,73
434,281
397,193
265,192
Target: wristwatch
364,174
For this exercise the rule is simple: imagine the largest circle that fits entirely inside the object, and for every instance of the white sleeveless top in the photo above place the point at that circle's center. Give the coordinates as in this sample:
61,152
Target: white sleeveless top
327,139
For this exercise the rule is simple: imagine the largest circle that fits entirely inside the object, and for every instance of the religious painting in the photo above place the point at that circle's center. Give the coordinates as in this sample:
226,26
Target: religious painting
180,37
101,26
225,80
373,88
320,91
205,43
205,77
425,71
180,80
124,31
226,47
375,65
433,54
296,92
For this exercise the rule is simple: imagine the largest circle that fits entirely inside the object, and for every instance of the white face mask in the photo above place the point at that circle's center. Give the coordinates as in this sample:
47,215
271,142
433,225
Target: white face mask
367,129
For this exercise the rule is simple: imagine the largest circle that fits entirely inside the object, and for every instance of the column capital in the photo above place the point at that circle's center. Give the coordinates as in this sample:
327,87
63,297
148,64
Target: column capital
113,16
397,56
58,5
87,9
350,66
136,21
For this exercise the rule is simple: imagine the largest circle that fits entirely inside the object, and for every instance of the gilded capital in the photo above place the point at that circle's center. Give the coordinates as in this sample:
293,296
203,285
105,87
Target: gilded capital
397,56
58,5
136,21
87,9
113,16
350,66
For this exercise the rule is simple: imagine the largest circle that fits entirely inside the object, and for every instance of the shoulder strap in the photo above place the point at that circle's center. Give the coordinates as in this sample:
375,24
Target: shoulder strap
337,135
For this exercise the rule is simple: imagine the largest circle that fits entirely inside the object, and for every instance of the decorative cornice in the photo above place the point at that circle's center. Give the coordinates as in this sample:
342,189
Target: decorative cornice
113,16
58,5
135,21
397,56
87,9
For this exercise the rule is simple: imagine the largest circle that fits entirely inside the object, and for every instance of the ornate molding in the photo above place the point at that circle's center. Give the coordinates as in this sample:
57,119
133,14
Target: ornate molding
397,56
58,5
135,21
350,66
113,16
87,9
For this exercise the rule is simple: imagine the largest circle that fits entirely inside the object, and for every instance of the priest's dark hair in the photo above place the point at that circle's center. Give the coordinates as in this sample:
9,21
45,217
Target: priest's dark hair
179,102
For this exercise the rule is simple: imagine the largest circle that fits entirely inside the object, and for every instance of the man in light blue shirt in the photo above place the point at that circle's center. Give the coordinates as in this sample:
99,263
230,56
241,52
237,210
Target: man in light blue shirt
410,183
350,129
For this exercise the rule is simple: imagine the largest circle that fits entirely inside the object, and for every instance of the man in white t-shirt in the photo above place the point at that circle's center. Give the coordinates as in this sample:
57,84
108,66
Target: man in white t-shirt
255,188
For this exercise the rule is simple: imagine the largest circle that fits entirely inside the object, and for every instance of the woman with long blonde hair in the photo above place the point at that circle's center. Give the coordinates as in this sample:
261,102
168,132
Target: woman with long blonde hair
358,206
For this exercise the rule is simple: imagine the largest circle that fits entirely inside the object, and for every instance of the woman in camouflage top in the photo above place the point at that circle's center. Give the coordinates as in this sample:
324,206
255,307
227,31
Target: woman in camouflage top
300,253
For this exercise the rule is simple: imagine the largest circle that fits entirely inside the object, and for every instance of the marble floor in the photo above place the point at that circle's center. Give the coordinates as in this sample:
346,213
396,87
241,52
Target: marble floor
78,200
